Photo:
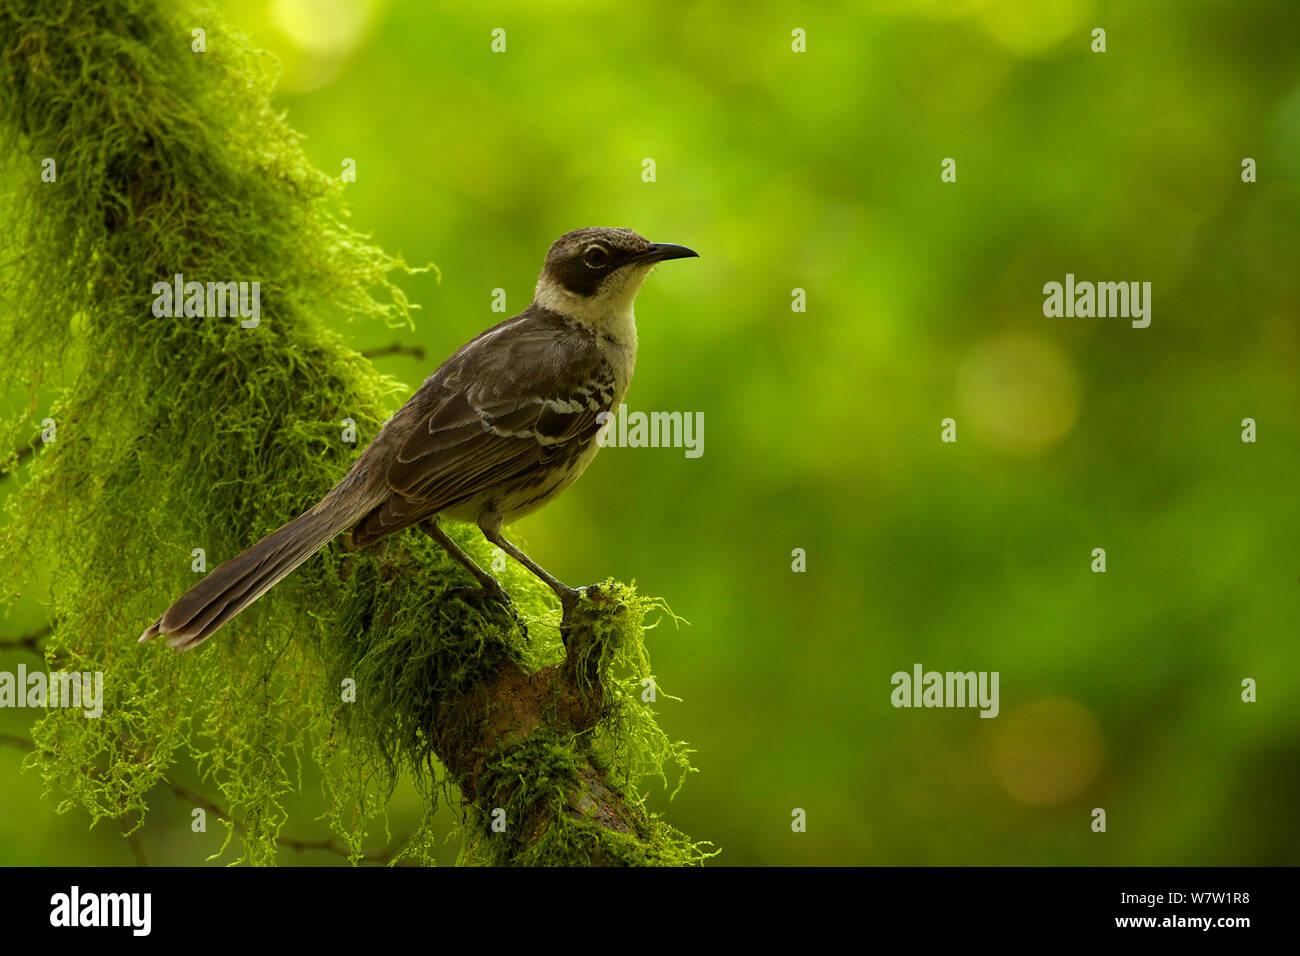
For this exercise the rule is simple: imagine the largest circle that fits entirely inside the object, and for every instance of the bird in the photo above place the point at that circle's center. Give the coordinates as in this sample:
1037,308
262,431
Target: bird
506,423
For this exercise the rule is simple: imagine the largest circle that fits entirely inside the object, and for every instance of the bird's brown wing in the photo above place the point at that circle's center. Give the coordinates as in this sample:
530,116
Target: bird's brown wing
508,407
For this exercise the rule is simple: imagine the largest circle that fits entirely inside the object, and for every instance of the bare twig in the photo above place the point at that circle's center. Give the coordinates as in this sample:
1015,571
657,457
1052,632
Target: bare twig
328,845
29,642
137,849
397,348
21,455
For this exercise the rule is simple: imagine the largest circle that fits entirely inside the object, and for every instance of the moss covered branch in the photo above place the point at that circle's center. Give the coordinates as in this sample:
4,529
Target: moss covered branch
134,157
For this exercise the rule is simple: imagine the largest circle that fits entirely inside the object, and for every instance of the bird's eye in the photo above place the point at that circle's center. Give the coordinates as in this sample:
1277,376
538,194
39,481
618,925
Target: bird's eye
595,257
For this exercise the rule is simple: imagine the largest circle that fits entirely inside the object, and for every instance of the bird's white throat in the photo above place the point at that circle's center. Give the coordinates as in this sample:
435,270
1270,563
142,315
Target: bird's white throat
608,313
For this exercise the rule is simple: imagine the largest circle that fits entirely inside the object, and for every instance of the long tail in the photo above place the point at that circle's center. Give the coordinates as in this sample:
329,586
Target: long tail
233,586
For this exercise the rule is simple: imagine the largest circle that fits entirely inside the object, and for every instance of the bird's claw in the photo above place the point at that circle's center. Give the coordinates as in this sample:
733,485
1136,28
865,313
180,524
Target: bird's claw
569,601
571,598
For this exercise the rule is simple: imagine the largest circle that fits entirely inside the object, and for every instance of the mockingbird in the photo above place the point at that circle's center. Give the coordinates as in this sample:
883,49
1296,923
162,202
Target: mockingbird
504,425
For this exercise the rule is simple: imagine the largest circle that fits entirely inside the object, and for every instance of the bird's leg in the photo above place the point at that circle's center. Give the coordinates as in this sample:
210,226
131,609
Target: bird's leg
569,597
490,586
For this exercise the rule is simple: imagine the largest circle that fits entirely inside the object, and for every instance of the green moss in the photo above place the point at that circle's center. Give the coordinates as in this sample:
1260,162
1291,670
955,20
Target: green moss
175,434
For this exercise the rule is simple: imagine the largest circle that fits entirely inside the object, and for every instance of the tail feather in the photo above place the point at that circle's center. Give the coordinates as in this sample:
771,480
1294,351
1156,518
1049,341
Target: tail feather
239,595
237,583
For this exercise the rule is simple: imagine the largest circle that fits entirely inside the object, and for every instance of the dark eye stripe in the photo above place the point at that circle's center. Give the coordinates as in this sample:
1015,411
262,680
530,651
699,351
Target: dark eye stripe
577,276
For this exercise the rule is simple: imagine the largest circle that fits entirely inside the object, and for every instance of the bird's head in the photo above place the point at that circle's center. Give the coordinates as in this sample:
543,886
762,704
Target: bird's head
593,275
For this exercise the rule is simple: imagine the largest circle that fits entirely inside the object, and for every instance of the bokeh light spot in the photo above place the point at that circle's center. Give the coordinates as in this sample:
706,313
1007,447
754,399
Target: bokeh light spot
1029,29
1048,752
1018,392
322,27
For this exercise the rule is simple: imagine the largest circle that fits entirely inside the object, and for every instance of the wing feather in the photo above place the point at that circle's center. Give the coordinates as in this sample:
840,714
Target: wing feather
509,404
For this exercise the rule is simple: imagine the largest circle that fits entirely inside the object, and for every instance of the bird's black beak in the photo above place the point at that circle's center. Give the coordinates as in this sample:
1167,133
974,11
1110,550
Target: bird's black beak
663,251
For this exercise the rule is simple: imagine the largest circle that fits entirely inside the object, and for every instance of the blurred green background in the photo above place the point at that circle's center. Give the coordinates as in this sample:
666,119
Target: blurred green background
821,171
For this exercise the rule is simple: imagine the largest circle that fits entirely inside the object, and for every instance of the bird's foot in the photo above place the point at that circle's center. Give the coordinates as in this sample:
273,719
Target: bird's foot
570,598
